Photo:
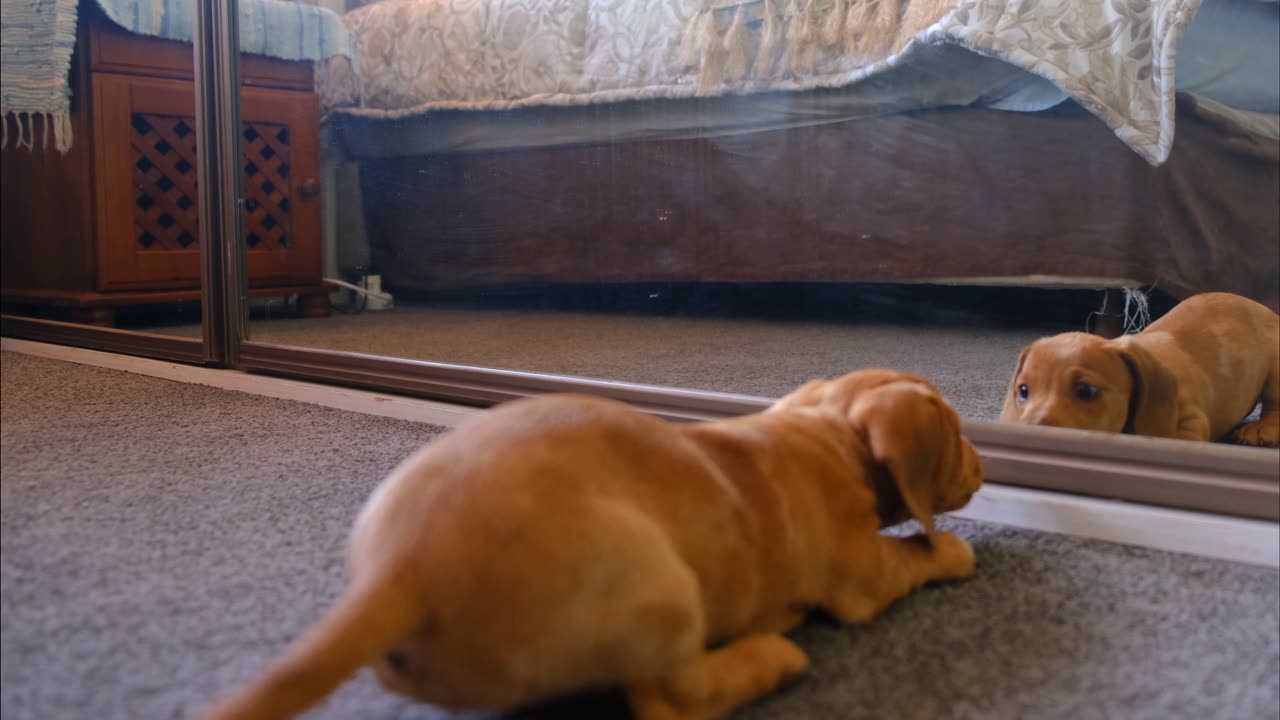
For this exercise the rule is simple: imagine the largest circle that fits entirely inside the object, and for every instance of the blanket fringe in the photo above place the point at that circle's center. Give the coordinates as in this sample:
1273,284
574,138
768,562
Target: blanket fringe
36,129
63,141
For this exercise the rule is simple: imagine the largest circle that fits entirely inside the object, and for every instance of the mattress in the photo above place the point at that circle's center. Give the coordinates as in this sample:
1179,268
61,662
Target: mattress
417,56
942,76
1229,58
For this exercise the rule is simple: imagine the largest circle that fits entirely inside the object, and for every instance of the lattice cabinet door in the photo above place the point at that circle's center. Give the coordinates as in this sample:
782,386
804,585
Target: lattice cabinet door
148,228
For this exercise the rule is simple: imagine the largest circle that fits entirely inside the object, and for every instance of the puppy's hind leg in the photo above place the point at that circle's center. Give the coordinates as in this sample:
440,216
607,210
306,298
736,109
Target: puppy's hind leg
1265,431
710,685
671,675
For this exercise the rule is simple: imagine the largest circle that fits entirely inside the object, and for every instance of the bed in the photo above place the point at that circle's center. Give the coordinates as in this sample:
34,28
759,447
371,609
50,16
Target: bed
950,141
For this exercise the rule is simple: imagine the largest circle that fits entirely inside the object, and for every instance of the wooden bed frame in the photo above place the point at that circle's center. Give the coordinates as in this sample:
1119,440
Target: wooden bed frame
944,195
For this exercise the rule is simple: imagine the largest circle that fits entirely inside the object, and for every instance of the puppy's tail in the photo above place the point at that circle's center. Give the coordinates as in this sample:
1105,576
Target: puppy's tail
367,620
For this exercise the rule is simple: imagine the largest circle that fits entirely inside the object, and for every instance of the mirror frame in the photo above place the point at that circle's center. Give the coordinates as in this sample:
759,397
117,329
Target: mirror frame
1213,478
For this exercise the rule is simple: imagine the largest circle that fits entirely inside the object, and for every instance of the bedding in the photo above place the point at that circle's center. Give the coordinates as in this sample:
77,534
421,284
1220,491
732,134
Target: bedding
285,29
1231,54
37,38
36,41
941,76
1229,58
944,76
1115,58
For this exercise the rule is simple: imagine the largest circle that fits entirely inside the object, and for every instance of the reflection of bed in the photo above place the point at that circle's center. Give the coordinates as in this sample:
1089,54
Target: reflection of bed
929,163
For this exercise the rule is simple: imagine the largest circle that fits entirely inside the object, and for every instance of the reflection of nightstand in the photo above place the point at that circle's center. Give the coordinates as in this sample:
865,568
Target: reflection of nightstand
114,221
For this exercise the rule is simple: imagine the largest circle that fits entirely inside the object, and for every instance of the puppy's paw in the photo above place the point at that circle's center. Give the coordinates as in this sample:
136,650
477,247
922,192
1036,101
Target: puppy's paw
771,650
795,661
954,555
1258,433
786,658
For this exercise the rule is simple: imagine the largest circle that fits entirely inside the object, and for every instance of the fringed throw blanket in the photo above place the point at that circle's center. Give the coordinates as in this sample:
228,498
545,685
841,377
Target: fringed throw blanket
37,37
285,29
36,40
1116,57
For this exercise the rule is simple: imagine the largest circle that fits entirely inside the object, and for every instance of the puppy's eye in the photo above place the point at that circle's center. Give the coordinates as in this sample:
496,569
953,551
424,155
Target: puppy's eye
1023,392
397,661
1085,391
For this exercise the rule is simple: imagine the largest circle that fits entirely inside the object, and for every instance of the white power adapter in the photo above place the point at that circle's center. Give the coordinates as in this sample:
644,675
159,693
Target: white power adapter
376,298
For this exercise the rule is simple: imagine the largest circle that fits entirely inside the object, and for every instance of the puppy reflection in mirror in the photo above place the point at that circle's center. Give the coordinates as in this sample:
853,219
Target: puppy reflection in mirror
1193,375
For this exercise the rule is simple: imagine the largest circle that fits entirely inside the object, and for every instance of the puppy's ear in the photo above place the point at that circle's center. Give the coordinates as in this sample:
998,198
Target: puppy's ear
1010,411
1153,404
906,432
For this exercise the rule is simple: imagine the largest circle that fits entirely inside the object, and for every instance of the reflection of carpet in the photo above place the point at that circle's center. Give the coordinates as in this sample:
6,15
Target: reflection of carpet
161,541
971,365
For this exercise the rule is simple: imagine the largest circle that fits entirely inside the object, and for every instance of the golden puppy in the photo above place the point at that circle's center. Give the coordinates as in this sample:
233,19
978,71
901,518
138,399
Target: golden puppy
1193,374
564,543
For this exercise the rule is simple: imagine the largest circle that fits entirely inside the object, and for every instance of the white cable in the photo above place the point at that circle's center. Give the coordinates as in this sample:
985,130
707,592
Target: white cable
357,288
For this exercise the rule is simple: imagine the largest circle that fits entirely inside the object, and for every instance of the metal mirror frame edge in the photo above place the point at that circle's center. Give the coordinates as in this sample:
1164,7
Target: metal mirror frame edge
124,342
216,82
216,86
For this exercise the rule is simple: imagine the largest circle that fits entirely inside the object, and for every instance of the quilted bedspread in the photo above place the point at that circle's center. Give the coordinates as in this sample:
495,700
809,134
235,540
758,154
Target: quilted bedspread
1115,57
37,38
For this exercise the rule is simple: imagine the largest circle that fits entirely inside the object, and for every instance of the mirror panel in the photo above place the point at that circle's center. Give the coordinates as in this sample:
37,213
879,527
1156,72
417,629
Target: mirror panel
747,230
99,204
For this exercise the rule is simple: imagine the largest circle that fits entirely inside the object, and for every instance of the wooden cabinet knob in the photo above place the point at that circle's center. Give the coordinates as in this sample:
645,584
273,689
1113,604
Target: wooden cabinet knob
309,188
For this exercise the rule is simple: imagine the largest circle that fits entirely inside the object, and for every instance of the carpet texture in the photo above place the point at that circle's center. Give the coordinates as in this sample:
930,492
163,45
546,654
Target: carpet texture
162,541
970,365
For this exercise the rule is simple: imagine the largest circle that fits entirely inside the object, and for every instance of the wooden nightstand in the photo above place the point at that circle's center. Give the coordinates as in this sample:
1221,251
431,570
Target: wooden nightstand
114,221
